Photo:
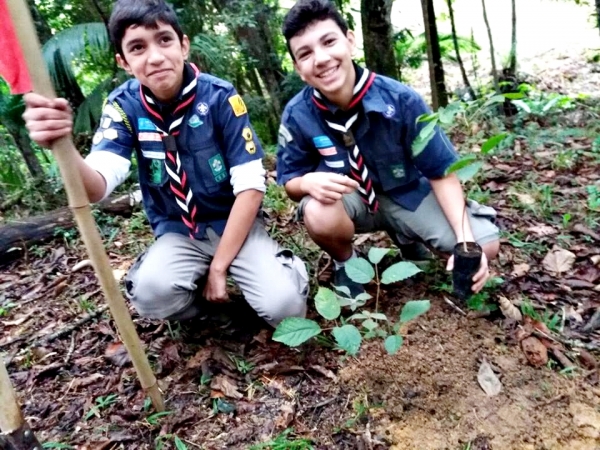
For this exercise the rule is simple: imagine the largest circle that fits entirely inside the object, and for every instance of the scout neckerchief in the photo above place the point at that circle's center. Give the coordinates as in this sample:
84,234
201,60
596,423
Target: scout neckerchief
168,120
341,122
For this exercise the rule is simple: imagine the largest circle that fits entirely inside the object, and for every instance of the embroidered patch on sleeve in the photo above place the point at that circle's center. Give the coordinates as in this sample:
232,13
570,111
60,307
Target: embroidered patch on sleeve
250,147
285,136
247,134
238,105
329,151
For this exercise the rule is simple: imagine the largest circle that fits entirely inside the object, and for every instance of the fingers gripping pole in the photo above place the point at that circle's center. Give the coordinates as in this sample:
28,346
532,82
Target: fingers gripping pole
63,149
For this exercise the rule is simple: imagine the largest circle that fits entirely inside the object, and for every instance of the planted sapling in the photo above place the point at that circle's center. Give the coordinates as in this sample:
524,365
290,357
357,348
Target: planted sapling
294,331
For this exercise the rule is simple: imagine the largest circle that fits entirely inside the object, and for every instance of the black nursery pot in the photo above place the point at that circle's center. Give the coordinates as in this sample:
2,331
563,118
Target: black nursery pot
466,264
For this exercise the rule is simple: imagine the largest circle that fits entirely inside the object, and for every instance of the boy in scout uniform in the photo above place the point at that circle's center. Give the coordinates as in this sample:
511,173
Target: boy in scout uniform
200,171
345,154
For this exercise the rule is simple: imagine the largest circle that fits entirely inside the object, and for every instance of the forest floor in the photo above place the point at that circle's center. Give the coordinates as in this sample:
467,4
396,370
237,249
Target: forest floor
228,385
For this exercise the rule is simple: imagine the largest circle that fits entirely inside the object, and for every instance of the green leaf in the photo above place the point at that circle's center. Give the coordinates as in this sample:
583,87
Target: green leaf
363,297
551,103
425,135
399,271
348,338
468,172
370,324
447,114
462,162
494,99
379,316
359,270
327,304
514,95
294,331
179,445
414,309
376,254
492,142
357,316
393,343
521,104
427,117
343,289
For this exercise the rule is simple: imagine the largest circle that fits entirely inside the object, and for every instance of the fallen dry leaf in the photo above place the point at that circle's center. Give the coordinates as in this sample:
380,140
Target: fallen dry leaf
117,354
520,270
325,372
542,230
535,352
488,380
525,199
225,385
201,355
287,415
595,260
509,310
558,260
119,274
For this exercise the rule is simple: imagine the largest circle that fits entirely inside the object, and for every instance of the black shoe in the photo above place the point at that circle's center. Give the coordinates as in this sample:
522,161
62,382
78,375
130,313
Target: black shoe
341,278
416,253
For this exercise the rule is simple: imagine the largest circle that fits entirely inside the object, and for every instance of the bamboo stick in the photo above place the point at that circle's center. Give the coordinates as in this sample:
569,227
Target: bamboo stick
10,418
79,204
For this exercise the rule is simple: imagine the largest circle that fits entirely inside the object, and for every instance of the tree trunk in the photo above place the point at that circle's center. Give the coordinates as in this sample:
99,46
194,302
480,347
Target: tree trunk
439,96
23,143
512,64
16,236
377,37
257,41
598,14
461,65
492,51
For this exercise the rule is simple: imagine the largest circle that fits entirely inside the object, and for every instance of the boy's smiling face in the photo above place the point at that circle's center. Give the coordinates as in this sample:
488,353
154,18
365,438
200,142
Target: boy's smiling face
155,56
323,59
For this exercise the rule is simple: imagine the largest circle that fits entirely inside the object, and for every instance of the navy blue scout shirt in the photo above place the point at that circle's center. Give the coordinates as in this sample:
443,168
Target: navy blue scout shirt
215,135
384,134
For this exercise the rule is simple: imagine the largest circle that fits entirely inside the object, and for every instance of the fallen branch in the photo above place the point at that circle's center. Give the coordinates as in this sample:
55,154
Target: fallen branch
70,328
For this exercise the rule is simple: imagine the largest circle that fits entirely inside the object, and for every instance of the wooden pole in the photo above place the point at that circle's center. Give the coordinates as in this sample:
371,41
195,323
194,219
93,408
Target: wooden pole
11,418
79,204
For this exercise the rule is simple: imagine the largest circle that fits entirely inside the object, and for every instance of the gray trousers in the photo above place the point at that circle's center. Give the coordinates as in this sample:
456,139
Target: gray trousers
162,282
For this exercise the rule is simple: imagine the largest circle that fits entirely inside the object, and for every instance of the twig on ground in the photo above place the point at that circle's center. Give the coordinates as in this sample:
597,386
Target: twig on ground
71,349
70,328
456,308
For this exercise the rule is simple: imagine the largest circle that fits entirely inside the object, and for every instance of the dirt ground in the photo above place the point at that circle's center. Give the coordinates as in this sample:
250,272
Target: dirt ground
229,386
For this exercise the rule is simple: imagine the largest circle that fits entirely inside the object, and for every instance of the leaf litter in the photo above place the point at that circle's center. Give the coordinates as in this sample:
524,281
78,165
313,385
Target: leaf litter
229,385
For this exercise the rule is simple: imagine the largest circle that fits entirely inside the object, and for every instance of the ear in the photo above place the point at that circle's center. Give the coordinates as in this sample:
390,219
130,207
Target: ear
123,64
352,41
185,46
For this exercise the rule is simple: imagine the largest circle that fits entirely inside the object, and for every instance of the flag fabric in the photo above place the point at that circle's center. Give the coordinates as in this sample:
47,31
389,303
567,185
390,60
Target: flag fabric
13,67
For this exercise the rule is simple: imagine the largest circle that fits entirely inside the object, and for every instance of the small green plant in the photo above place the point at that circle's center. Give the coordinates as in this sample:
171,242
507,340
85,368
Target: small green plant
159,442
153,419
283,442
57,445
86,305
101,403
552,321
241,364
294,331
566,219
593,199
6,308
276,199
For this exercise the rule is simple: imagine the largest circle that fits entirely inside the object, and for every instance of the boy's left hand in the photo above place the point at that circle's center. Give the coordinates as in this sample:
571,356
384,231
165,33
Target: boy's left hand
480,277
215,289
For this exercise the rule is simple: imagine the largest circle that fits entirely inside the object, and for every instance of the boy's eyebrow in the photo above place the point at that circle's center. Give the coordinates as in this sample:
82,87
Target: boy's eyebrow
321,39
158,35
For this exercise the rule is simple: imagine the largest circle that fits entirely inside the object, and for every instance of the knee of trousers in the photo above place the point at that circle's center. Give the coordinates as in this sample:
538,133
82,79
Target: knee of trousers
276,305
160,299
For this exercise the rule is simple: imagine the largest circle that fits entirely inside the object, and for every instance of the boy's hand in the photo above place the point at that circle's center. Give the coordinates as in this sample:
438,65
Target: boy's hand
47,119
480,277
327,187
215,289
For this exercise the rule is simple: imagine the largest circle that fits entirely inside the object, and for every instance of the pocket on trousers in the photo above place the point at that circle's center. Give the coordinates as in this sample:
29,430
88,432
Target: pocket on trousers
480,210
297,268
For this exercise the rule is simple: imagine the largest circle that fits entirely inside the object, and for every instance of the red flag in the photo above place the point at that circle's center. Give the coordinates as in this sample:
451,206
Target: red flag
13,67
